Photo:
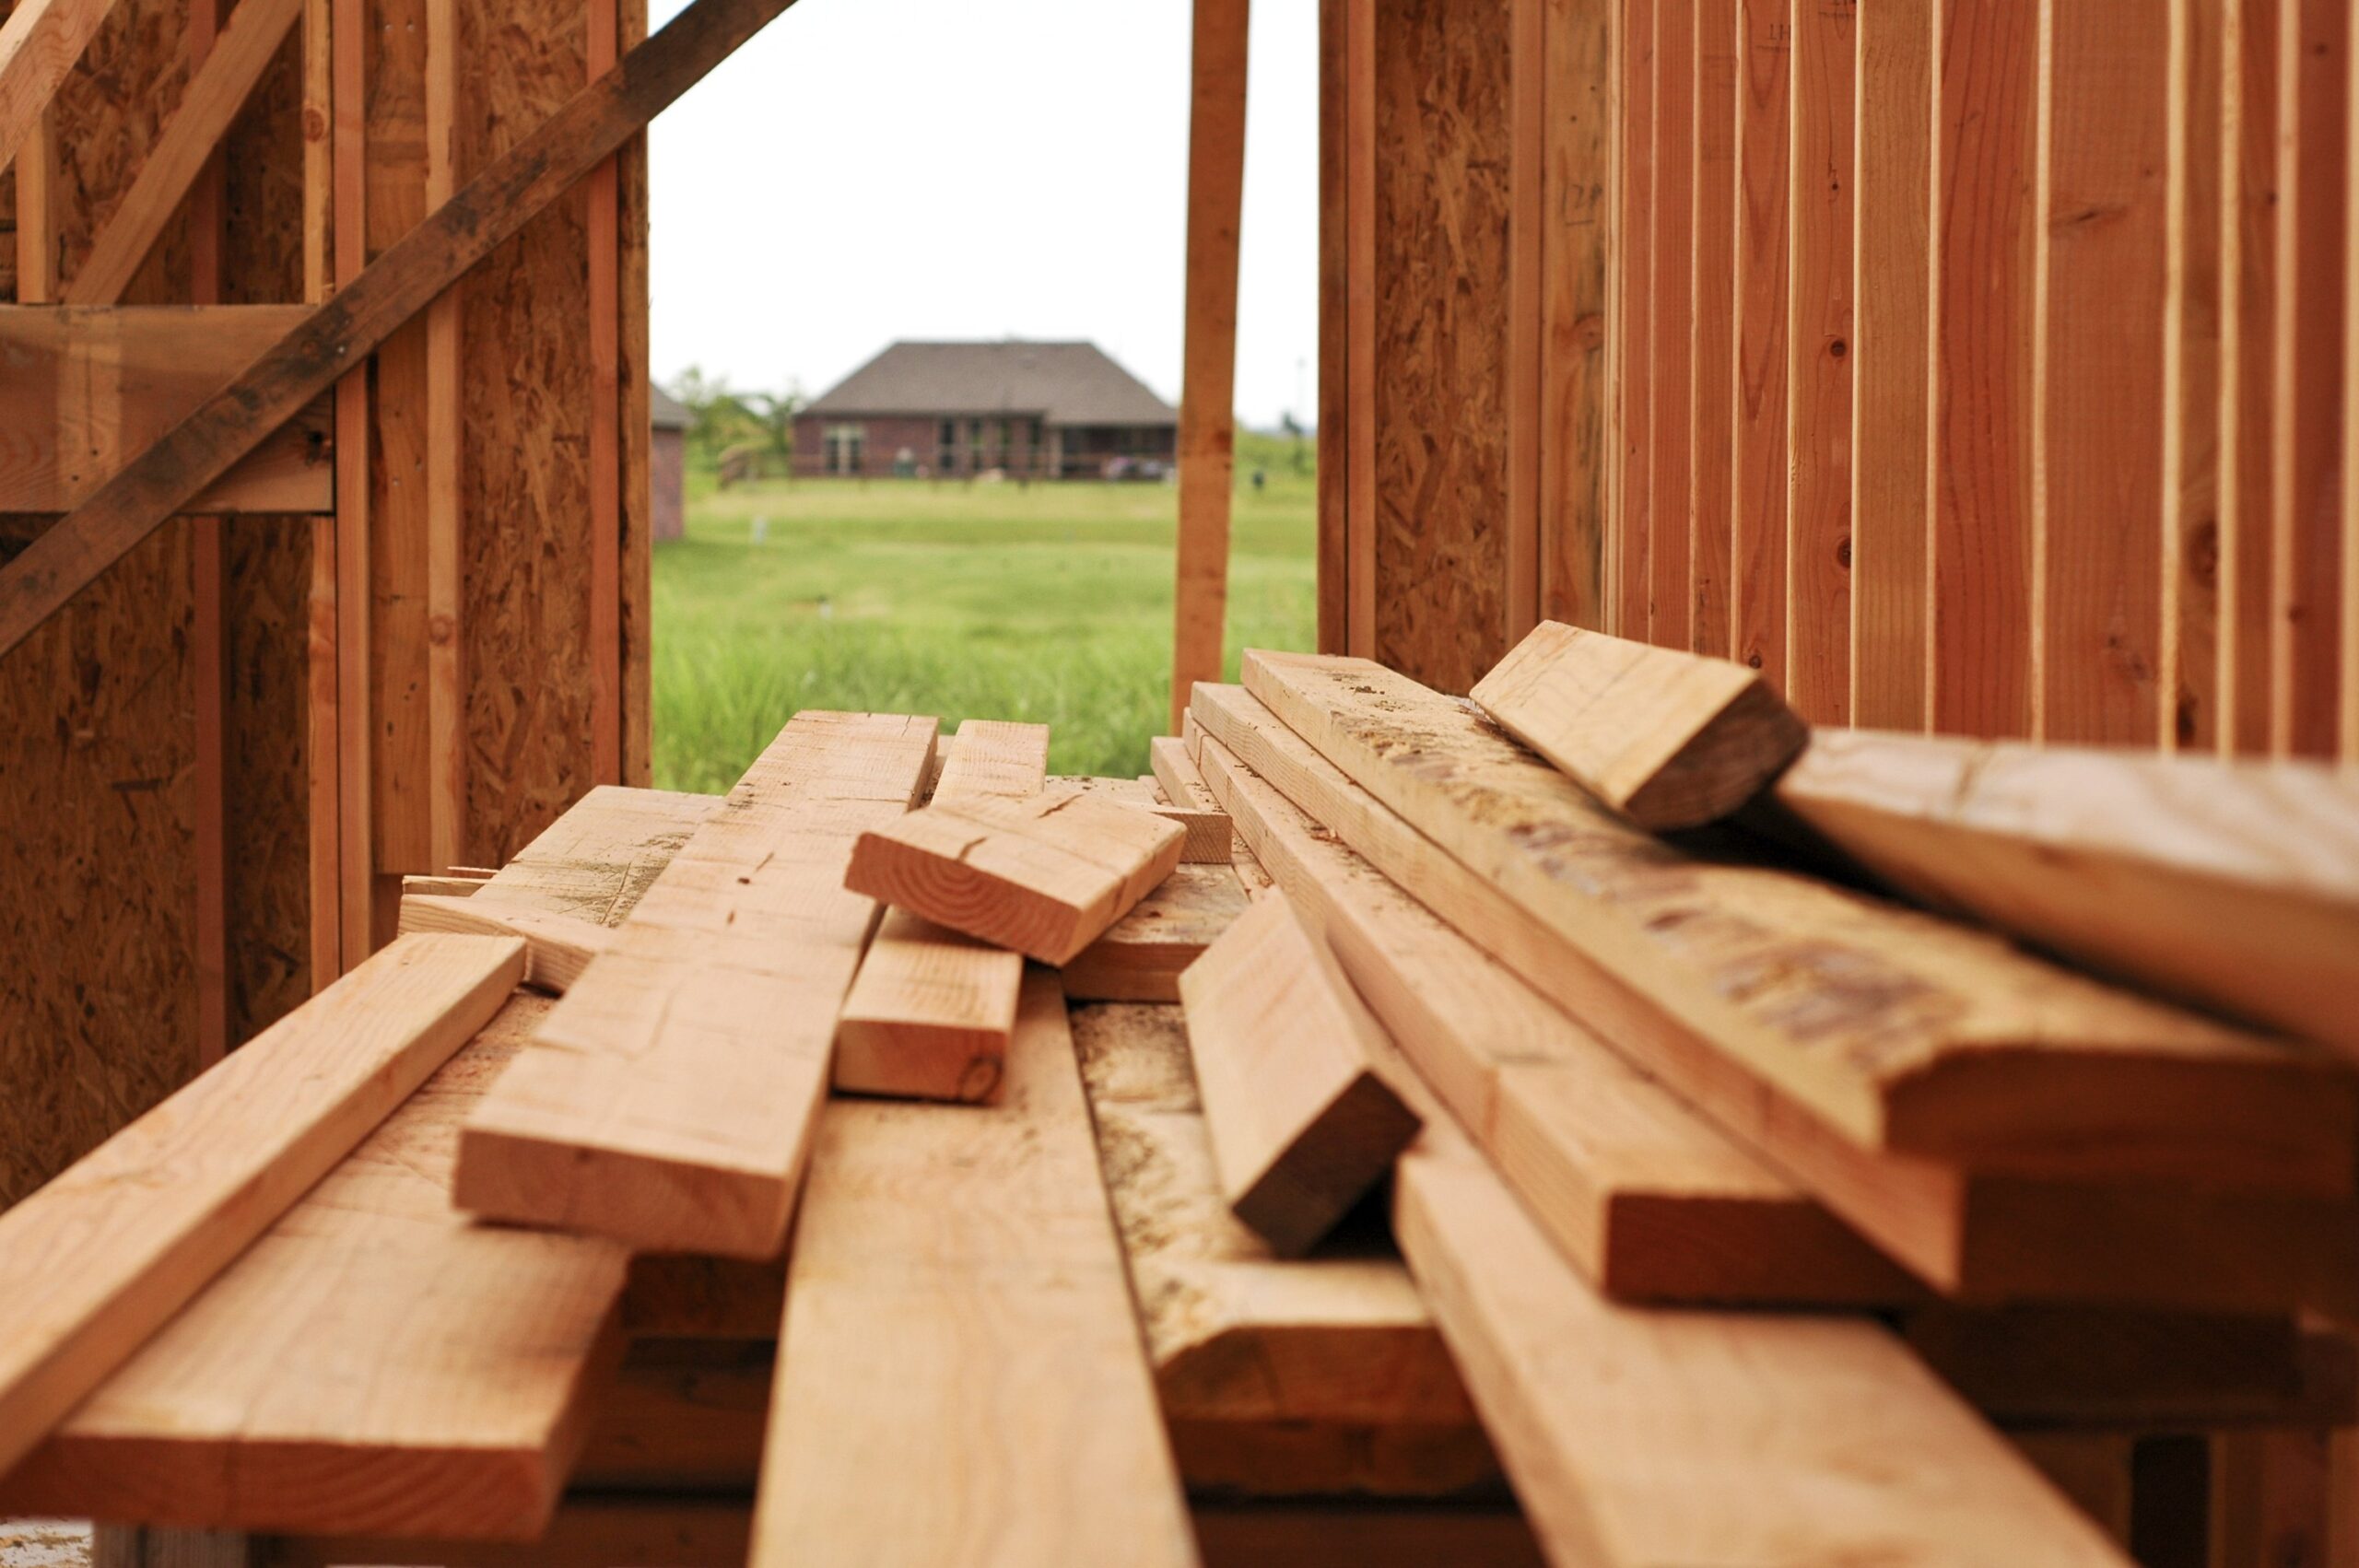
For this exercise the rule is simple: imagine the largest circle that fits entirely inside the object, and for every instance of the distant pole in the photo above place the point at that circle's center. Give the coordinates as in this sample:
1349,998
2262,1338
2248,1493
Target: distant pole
1208,389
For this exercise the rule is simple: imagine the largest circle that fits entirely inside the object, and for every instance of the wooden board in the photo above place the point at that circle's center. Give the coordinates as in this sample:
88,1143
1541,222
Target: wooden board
1235,1335
695,1050
930,1012
1670,293
1208,839
1301,1123
1604,1415
1763,151
960,1376
89,387
597,861
1669,738
374,1363
89,1275
1176,772
2236,885
1867,1042
557,948
1712,330
1648,1200
1142,954
1045,877
1986,1239
38,47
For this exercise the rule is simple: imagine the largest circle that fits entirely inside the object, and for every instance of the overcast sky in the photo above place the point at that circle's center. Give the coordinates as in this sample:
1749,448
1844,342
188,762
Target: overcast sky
872,169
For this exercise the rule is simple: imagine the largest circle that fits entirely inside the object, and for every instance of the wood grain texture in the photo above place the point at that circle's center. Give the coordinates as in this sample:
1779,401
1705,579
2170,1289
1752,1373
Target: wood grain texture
1757,447
1045,877
1441,231
1872,1057
960,1375
1979,595
90,1275
1578,232
1302,1124
484,1347
930,1012
668,1101
1603,1414
1712,338
2097,380
1334,559
89,387
39,44
1671,738
557,947
2232,885
1671,296
1207,438
1632,525
1235,1334
2248,350
1823,113
267,751
598,860
1648,1201
2193,325
2305,558
1892,272
1140,956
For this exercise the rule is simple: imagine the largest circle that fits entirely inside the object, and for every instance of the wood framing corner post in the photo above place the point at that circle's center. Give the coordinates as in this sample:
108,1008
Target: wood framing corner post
1208,392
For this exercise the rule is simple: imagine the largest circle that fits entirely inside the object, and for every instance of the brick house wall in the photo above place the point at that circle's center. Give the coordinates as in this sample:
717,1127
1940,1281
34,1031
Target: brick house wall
1085,448
668,475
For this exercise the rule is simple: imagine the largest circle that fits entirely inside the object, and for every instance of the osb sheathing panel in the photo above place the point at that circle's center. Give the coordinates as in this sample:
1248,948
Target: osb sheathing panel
269,572
525,493
1443,146
98,864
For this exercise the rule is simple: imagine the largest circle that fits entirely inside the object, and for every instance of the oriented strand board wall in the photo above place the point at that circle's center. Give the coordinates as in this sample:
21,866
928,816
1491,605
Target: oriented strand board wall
1440,380
525,486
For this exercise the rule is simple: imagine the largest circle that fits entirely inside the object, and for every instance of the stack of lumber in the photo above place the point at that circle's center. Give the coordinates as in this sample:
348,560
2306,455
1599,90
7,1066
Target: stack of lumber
1513,1126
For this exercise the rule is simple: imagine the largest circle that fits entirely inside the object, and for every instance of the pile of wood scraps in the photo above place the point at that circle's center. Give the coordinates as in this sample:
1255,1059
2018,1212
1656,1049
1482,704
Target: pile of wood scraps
1399,1130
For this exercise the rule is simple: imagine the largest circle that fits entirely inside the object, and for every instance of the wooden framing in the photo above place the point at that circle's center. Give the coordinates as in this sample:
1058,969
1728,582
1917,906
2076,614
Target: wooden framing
1208,393
39,44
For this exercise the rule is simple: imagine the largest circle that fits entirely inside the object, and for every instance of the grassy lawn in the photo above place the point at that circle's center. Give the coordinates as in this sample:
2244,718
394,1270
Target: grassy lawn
1050,604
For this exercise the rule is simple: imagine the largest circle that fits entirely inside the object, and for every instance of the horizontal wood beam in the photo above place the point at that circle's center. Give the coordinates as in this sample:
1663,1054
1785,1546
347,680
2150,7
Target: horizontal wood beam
402,282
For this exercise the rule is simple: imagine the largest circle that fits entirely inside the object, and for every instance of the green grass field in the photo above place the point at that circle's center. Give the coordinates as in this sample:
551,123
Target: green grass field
1050,604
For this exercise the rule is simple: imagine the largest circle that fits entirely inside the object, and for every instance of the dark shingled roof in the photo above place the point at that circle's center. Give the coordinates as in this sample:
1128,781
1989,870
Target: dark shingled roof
666,412
1064,383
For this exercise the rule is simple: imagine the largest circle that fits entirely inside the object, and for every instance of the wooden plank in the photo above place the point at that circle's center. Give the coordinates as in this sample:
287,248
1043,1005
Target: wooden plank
441,887
1359,320
2230,883
1523,356
1142,954
89,387
1893,271
638,447
1757,450
2140,1371
354,553
1634,295
1208,840
323,788
603,243
1334,560
2187,686
1979,597
1603,1414
1514,819
668,1100
1045,876
1671,422
1668,739
1818,396
2347,709
1302,1126
89,1276
960,1375
931,1011
1208,389
499,201
39,44
1182,785
2247,352
446,684
2313,64
1712,336
484,1350
2097,380
598,860
1648,1201
557,948
1234,1334
216,93
1578,233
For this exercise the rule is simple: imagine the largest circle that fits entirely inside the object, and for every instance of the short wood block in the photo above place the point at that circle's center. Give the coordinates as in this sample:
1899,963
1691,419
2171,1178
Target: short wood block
1302,1125
1045,876
929,1016
1140,959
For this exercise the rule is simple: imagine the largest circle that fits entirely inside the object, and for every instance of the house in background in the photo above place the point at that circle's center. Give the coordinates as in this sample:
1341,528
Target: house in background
668,463
1028,410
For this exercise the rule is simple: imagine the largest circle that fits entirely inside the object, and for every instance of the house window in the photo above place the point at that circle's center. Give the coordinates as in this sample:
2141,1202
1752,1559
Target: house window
844,444
947,459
